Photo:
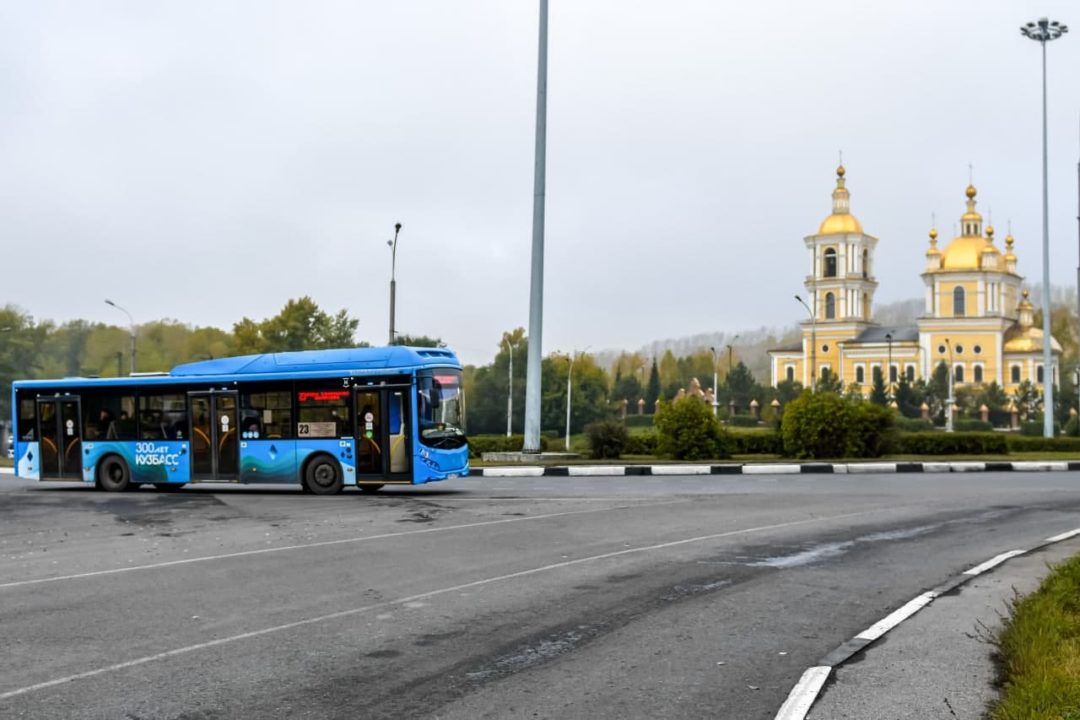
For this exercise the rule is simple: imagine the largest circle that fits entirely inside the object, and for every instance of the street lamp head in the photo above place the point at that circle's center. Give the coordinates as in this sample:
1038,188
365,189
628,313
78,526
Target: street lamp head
1044,30
109,302
397,227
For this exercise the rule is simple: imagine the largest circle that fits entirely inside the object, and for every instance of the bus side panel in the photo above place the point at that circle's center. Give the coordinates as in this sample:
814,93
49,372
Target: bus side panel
268,461
433,464
342,449
150,461
28,465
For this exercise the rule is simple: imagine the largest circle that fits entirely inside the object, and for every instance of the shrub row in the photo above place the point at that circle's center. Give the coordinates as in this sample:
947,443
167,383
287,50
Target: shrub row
480,444
973,426
758,442
1018,443
743,421
820,425
955,443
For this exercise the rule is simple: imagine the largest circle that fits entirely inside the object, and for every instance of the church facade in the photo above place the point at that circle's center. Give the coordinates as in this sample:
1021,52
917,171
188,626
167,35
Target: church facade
978,319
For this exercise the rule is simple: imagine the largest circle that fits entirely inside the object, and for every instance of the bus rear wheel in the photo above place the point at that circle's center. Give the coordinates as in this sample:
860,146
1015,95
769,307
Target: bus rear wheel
113,475
323,476
369,489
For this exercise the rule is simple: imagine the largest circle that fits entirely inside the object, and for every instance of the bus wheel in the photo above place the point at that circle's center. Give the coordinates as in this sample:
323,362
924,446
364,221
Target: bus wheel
370,489
323,476
113,474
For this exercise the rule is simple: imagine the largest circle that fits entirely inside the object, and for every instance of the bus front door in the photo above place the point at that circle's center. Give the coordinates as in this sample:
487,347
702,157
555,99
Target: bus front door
383,447
60,430
215,447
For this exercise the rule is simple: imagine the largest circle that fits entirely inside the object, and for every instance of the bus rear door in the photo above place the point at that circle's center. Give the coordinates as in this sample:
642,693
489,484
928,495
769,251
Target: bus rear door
214,436
60,430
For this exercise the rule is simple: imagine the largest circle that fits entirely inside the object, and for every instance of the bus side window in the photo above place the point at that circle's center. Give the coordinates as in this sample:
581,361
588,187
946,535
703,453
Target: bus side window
27,420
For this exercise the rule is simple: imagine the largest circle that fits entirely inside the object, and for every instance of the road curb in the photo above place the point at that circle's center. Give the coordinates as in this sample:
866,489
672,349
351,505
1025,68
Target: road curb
966,466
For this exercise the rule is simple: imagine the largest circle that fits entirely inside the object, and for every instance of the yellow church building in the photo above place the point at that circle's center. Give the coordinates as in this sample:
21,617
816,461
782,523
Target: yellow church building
978,319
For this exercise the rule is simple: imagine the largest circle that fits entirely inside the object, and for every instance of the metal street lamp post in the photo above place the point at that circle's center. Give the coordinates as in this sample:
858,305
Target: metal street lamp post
730,353
393,281
510,389
131,322
888,391
813,343
1043,31
951,400
534,367
715,385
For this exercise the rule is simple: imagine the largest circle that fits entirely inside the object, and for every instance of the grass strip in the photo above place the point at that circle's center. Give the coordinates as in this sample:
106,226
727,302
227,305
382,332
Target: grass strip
1040,651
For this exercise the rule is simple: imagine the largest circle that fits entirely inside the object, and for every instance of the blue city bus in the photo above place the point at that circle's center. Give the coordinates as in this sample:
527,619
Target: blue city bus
326,419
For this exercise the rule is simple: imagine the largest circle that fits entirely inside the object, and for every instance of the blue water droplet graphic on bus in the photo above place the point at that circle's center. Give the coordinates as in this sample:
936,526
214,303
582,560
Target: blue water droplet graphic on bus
273,452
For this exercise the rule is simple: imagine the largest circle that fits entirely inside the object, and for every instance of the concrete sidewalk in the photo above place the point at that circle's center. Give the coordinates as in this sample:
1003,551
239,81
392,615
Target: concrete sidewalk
938,663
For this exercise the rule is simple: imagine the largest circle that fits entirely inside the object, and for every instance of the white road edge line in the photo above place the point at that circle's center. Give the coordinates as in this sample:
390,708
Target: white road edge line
896,617
803,695
993,562
414,598
324,543
805,692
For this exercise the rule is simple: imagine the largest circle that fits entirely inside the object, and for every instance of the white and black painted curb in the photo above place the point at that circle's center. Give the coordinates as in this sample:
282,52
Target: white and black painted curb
802,696
777,468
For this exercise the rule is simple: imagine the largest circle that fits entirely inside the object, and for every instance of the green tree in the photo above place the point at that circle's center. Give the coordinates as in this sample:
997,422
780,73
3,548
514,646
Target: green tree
589,396
486,395
652,391
300,325
830,382
419,341
878,395
20,341
907,398
740,386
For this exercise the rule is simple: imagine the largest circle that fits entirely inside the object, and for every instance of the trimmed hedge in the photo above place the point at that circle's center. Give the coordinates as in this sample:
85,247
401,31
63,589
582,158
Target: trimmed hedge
906,424
747,421
956,443
480,444
1019,443
641,444
758,442
633,420
973,426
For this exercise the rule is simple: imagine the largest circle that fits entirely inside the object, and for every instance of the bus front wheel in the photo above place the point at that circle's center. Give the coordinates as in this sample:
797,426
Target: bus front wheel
323,476
113,475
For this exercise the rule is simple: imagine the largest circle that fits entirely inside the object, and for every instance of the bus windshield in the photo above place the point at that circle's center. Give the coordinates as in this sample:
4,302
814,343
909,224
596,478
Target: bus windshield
440,408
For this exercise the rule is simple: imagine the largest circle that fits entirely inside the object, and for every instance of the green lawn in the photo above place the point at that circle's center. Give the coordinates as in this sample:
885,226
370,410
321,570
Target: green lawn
1040,651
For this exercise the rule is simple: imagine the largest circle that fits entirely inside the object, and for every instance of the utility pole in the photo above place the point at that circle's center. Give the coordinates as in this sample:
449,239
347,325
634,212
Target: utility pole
510,390
393,281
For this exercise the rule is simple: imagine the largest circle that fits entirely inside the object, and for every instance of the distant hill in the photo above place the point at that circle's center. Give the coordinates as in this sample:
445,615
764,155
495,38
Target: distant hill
753,344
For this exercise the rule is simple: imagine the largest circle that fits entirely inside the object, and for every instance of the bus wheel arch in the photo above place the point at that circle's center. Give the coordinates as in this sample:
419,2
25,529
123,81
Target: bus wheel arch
322,475
113,474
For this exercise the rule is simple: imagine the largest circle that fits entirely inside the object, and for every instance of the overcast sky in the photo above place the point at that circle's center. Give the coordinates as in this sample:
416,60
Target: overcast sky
210,160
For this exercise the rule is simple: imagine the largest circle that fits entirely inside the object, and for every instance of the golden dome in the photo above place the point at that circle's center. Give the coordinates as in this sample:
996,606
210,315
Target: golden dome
970,192
840,224
1027,340
990,232
963,253
933,233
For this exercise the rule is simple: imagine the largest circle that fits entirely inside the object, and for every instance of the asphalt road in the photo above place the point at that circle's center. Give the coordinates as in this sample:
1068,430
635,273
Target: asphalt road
638,597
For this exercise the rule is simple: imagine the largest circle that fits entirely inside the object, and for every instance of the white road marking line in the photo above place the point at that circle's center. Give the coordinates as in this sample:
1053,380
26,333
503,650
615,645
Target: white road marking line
993,562
771,469
324,543
803,695
415,598
1063,536
896,617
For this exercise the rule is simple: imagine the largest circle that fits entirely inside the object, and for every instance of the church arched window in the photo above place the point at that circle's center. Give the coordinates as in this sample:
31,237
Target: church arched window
958,374
977,373
830,262
958,301
830,306
1014,374
865,263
